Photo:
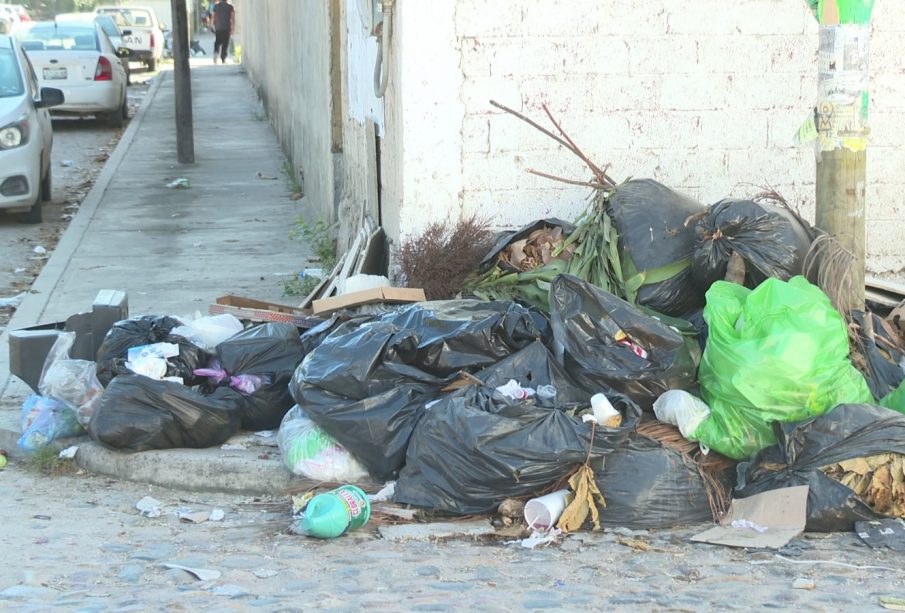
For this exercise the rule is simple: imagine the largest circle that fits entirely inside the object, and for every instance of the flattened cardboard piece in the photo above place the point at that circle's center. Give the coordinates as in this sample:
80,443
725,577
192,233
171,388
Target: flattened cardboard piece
393,295
770,519
260,311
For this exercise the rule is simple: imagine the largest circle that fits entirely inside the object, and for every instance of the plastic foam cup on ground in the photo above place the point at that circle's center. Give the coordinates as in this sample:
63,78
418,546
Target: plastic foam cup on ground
541,513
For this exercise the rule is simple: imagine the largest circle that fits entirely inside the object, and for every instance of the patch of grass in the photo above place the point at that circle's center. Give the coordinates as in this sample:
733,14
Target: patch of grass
47,461
318,236
291,179
258,115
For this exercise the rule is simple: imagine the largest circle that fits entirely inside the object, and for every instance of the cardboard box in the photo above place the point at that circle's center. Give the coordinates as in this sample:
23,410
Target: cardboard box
388,295
260,311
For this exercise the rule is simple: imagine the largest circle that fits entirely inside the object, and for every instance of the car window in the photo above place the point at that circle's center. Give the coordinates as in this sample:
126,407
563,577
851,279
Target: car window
131,17
10,80
108,25
30,77
58,37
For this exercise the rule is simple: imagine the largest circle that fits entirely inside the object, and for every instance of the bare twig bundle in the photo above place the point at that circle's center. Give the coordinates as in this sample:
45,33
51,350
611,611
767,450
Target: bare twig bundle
439,259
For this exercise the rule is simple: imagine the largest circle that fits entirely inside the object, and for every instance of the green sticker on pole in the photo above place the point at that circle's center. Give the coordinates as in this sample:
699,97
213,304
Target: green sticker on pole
835,12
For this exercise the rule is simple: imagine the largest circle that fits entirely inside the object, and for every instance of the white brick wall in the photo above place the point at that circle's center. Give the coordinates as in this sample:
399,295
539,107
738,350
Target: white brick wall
704,96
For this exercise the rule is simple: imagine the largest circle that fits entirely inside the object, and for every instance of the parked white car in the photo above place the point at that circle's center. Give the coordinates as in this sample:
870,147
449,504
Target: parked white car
145,40
111,25
80,60
26,134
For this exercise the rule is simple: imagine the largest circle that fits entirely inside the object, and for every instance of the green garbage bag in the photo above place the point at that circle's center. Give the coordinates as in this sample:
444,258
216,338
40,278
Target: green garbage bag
895,399
778,352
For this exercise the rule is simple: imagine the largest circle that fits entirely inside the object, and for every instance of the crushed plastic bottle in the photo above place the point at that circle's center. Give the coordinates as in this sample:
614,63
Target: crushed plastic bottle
336,512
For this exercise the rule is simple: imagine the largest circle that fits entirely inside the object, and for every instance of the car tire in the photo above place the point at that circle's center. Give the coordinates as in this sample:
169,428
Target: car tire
36,214
116,119
152,65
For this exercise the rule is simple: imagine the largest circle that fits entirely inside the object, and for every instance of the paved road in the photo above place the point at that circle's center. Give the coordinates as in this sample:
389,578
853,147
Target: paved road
77,542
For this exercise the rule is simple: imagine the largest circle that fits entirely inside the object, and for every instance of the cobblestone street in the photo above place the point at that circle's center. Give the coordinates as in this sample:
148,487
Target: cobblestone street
77,542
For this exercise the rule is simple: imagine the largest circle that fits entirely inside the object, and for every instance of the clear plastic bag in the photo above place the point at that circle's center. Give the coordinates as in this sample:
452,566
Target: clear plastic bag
310,452
681,409
209,331
45,420
72,382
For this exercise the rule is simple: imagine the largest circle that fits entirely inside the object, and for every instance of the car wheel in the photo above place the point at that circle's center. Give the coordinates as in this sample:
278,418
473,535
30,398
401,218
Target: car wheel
152,65
115,119
47,186
34,214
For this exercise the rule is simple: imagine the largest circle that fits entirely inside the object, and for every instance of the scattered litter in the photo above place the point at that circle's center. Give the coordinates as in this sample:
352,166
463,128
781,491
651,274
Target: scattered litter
217,515
266,433
636,544
180,183
434,531
196,517
149,507
513,391
539,538
17,271
203,574
230,590
801,583
782,512
69,452
233,447
889,533
542,513
67,163
264,177
265,573
39,249
385,494
892,603
12,301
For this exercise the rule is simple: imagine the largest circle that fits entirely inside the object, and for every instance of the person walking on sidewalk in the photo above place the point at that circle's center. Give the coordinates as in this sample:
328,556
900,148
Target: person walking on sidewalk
224,22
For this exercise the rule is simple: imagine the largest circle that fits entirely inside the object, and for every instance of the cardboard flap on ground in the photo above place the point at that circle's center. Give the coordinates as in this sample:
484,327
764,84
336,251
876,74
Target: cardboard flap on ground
770,519
260,311
388,295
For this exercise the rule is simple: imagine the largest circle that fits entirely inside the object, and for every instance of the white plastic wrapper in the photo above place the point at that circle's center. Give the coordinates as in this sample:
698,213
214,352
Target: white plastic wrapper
310,452
209,331
681,409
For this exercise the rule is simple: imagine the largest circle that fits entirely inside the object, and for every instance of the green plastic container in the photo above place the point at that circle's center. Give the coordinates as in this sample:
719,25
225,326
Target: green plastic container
336,512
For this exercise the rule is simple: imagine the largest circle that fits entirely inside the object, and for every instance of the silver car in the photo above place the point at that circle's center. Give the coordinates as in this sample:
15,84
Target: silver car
80,60
26,134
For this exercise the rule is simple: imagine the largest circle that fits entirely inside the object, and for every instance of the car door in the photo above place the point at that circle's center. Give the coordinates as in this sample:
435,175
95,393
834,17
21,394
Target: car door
43,114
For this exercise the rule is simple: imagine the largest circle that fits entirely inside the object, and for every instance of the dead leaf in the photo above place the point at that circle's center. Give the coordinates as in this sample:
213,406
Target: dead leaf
892,603
585,499
636,544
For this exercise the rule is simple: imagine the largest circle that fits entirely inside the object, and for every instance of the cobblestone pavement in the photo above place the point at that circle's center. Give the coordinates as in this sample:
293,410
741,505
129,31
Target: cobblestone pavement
77,542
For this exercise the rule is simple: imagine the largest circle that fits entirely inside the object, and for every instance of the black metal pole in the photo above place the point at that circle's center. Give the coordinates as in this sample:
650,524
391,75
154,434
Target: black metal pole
185,138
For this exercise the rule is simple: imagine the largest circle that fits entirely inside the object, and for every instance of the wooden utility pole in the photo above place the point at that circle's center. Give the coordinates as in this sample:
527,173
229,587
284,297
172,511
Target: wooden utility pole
185,138
842,130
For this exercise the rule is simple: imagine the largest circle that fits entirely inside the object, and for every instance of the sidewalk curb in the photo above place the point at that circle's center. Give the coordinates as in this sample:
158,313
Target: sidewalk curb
35,302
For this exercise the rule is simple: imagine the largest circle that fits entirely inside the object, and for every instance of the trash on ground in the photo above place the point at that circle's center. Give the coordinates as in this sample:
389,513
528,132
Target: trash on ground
39,249
334,513
383,295
681,409
540,538
436,531
72,382
783,512
310,452
12,302
217,515
542,513
68,453
45,420
803,583
882,533
259,311
892,603
202,574
848,432
180,183
194,517
148,507
878,480
775,353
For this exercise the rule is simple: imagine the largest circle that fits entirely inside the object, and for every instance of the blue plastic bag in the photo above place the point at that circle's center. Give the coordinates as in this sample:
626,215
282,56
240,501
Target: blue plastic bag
45,420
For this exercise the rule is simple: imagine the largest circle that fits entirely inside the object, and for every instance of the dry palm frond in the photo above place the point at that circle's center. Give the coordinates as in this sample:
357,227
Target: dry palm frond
831,264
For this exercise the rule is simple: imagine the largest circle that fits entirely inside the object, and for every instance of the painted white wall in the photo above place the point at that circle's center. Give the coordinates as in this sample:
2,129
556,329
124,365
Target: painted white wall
704,96
361,54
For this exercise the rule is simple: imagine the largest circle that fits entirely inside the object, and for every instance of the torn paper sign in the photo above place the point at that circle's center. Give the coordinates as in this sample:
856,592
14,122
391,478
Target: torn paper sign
770,519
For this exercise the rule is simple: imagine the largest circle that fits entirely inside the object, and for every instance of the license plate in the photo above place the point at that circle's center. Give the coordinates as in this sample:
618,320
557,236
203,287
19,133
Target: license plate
54,74
133,40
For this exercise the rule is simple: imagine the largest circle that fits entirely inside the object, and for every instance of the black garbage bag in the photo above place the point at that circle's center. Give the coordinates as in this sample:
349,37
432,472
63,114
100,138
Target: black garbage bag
848,431
647,485
111,355
653,237
771,240
610,344
882,357
474,448
138,413
313,337
504,239
268,354
366,384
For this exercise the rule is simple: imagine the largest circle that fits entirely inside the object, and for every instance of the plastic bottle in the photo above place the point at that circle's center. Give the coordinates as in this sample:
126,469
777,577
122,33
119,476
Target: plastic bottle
336,512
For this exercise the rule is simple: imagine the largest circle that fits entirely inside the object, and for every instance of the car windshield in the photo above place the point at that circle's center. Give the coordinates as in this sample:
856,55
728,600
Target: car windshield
131,17
10,80
58,37
107,25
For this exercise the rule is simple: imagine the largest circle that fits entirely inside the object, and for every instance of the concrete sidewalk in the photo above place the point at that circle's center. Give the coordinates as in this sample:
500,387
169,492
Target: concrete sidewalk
174,251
